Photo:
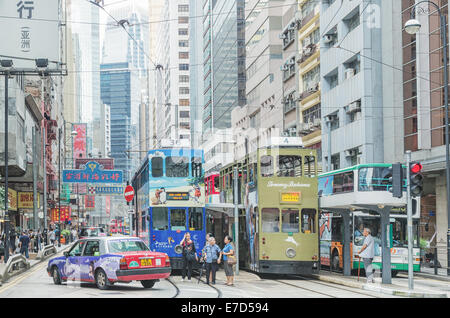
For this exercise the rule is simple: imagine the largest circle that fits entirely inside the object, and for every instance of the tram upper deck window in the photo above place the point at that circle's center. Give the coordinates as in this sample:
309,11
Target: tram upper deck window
157,167
308,221
178,219
177,167
160,218
266,166
289,166
290,219
270,222
343,182
374,179
309,166
195,219
216,184
196,164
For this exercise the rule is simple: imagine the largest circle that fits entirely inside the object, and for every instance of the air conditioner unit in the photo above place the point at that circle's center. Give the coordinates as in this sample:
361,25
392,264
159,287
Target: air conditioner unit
350,153
307,50
349,73
291,26
291,61
328,38
354,107
317,122
310,125
284,67
311,89
304,128
307,41
282,36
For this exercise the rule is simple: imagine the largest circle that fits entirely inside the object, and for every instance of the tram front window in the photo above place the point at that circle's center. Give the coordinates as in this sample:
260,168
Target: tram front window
177,167
308,221
270,220
289,166
290,219
195,219
157,167
160,218
178,219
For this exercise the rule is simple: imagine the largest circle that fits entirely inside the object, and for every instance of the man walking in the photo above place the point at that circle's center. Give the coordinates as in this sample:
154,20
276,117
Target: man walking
24,243
367,254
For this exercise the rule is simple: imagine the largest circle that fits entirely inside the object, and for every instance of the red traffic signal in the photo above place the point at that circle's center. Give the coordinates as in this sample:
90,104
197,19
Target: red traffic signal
416,168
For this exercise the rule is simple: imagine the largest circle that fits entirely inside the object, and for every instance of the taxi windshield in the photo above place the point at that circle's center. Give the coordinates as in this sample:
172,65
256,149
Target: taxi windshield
119,246
91,232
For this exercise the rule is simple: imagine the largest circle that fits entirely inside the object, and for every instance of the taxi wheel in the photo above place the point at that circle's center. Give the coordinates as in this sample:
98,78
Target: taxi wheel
148,283
56,276
101,280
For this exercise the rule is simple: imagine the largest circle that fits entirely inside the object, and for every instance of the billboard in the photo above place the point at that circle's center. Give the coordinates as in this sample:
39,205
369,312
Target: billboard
31,30
93,173
66,212
79,141
12,197
107,163
25,200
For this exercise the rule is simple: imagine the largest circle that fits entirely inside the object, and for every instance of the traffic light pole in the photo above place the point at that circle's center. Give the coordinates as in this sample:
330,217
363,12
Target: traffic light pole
409,222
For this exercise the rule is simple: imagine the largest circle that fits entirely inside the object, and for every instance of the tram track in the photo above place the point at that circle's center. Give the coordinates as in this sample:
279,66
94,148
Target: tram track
304,288
176,287
178,291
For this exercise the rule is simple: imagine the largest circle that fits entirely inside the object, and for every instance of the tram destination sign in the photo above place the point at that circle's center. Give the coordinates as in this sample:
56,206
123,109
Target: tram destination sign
178,196
93,173
290,197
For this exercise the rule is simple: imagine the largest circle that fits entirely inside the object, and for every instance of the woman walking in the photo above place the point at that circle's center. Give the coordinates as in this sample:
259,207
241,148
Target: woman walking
189,256
226,252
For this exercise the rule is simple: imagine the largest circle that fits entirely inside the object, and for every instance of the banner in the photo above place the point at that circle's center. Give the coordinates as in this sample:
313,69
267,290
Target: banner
93,173
66,212
89,202
12,196
79,141
25,200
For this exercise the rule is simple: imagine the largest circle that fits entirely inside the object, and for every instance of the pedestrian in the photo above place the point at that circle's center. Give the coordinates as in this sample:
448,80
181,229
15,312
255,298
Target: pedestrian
208,235
58,236
24,244
212,252
367,254
2,246
45,236
189,256
12,241
74,235
227,251
52,237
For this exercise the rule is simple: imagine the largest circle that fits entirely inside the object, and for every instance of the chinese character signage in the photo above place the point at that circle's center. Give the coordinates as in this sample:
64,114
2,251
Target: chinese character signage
66,212
25,200
93,173
79,141
89,202
30,29
107,190
12,196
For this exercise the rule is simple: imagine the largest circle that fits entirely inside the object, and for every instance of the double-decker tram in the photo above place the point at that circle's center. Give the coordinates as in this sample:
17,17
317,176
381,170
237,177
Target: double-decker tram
361,185
170,200
278,221
212,188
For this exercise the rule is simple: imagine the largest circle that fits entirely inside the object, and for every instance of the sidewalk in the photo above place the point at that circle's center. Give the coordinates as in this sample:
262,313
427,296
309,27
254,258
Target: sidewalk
428,272
399,286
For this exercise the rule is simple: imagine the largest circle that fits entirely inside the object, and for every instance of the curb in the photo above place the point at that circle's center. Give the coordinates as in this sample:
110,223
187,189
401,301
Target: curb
382,290
432,276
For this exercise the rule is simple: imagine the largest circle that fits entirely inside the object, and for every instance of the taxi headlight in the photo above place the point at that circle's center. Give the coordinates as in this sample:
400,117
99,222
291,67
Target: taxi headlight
290,252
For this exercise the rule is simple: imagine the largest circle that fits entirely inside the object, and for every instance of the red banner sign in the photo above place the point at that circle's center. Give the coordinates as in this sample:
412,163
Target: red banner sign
89,202
66,212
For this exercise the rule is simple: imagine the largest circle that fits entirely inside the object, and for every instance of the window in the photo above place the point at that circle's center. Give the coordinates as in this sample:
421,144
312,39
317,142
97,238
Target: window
177,167
184,90
182,31
343,182
309,167
289,166
183,20
184,67
184,78
183,8
266,166
195,219
196,167
157,167
183,43
160,218
270,222
183,55
216,184
77,249
178,219
308,221
374,179
184,114
184,102
291,222
353,21
120,246
92,247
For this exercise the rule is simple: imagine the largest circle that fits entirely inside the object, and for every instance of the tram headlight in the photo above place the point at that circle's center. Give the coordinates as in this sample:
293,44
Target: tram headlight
178,249
290,252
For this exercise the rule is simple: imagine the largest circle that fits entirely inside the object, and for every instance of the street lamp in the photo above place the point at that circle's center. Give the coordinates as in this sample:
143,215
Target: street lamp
413,26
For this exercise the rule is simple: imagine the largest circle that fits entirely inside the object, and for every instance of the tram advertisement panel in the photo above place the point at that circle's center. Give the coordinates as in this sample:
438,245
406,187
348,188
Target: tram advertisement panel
325,238
176,178
251,202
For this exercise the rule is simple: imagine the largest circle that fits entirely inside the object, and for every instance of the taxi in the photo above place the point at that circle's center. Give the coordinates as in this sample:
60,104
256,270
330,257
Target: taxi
86,232
108,260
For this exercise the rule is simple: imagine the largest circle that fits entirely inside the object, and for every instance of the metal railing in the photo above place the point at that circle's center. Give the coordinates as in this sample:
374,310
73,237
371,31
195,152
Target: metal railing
46,251
16,264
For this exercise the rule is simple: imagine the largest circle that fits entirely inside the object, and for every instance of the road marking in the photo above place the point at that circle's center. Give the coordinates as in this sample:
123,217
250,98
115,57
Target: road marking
21,278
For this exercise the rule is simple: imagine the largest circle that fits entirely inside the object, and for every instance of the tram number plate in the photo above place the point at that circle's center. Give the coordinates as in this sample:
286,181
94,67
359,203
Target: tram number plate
146,262
290,197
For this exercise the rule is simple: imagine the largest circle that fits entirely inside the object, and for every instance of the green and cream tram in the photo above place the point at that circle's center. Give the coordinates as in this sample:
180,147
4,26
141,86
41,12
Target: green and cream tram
278,224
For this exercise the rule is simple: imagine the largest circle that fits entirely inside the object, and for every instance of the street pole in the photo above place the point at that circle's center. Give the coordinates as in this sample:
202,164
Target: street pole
409,221
35,195
59,185
6,171
45,170
236,219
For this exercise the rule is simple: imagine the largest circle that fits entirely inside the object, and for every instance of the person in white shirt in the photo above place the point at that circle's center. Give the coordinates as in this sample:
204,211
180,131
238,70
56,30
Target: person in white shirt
367,254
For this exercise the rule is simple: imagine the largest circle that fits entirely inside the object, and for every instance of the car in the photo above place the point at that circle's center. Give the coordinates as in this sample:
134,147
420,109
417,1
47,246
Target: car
87,232
108,260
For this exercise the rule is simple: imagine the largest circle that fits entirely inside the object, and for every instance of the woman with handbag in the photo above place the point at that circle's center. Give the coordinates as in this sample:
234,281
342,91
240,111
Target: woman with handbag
228,260
189,256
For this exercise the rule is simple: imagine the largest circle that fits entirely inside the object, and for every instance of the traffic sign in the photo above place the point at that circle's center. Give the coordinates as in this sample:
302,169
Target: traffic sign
129,193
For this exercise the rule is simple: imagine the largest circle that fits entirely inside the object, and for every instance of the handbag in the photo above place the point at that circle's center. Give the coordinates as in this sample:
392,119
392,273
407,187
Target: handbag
190,256
231,259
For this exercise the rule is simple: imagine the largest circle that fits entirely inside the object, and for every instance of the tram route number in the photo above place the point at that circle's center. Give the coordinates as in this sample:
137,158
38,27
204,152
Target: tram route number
246,307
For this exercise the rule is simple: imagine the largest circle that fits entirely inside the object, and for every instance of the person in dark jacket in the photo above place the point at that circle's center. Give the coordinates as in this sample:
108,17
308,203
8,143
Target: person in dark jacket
189,256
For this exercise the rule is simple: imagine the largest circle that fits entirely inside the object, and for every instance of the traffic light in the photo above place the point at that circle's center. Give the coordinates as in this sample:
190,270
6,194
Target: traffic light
416,179
396,180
